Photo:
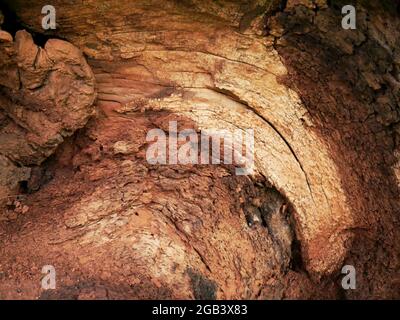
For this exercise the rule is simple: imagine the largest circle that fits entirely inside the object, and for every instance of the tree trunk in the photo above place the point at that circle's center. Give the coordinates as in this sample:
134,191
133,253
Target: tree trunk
78,191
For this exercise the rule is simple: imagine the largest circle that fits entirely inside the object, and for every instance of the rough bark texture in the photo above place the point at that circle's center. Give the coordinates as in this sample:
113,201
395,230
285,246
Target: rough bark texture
324,105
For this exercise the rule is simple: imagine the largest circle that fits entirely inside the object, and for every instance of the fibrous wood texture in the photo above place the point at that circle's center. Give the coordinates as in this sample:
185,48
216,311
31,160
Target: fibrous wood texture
323,103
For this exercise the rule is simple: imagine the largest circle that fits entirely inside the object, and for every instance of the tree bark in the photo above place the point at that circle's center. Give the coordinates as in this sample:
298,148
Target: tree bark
79,194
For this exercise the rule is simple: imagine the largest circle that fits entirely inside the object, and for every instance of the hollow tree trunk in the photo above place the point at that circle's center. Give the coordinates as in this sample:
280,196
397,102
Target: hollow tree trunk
78,192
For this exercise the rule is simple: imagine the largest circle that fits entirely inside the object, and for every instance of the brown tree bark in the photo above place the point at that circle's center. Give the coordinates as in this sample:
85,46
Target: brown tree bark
79,194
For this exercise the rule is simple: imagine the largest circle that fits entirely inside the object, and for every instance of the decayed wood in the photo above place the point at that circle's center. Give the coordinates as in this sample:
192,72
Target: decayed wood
125,228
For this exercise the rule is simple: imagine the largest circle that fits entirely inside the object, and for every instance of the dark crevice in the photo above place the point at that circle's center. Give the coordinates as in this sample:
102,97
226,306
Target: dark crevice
12,24
203,288
40,176
23,187
296,262
267,208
